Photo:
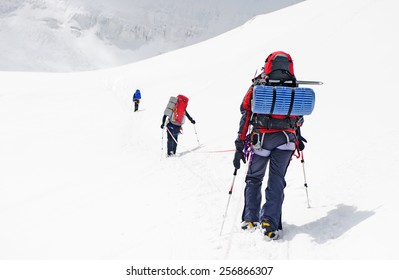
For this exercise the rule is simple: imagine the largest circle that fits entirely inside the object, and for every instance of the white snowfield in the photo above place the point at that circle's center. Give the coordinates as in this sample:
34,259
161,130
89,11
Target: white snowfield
83,177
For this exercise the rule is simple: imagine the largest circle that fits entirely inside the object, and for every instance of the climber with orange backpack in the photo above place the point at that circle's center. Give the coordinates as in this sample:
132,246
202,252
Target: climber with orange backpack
176,113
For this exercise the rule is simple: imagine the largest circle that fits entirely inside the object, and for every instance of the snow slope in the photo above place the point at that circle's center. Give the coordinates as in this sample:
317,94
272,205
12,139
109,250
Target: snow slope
78,35
83,176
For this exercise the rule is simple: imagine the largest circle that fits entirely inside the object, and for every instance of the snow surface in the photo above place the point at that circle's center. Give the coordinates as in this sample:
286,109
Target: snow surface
78,35
84,177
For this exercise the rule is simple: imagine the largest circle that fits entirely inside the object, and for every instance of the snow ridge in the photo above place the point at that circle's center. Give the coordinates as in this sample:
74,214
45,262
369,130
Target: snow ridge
76,35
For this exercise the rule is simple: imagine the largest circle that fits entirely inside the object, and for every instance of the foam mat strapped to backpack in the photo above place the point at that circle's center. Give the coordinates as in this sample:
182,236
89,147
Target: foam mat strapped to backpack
170,107
281,100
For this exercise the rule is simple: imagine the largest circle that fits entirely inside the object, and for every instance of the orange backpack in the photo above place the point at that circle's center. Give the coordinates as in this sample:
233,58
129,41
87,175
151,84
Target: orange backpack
179,110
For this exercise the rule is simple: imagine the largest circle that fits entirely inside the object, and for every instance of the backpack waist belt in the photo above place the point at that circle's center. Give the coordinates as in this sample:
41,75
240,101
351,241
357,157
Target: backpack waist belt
260,120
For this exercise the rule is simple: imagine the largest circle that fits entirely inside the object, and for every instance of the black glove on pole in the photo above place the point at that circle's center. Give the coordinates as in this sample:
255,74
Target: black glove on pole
239,154
301,139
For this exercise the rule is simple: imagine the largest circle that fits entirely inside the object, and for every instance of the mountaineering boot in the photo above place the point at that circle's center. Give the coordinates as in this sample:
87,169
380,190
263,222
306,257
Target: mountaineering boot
268,232
249,226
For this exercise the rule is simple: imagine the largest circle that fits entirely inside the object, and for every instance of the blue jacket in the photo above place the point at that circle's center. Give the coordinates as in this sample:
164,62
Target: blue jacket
137,95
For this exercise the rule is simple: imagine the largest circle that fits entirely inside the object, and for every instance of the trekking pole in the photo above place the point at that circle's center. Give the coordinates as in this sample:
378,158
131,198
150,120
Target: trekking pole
195,130
304,176
162,143
228,201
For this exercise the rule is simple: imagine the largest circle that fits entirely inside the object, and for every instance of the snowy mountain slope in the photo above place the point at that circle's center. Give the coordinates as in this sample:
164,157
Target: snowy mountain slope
83,177
77,35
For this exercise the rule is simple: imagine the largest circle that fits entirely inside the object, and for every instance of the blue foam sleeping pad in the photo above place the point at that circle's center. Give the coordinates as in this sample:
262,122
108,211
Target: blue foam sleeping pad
281,100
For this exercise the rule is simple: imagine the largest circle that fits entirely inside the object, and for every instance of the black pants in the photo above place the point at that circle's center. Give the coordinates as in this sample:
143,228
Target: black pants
136,105
172,144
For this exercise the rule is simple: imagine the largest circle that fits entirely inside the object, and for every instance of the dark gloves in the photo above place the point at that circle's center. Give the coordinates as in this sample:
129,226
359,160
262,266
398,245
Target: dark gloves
301,140
301,143
162,126
239,154
193,121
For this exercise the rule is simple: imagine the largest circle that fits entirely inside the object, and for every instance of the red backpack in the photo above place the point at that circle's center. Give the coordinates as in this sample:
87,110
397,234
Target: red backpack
279,68
179,110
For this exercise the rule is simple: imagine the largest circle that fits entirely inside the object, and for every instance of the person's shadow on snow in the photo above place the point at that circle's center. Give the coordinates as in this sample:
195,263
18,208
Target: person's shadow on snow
337,222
